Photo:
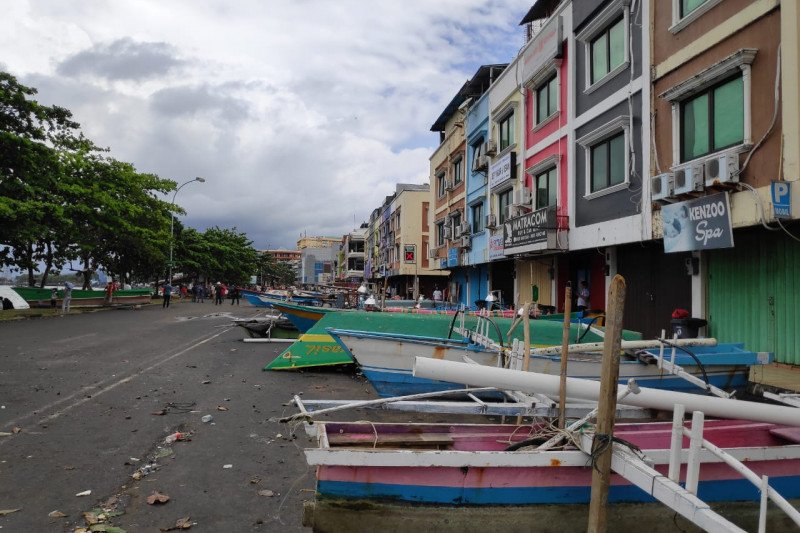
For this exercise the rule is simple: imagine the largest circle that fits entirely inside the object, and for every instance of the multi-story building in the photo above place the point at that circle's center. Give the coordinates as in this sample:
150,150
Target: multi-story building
401,235
317,259
350,262
725,151
283,256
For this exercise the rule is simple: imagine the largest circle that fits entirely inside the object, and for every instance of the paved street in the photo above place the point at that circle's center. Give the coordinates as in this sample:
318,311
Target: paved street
83,389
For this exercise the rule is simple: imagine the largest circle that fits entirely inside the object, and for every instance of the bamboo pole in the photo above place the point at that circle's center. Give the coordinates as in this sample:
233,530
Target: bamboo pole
526,336
601,473
562,391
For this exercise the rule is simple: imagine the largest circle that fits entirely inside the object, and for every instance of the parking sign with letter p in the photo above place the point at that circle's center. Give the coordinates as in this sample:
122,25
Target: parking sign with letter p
782,199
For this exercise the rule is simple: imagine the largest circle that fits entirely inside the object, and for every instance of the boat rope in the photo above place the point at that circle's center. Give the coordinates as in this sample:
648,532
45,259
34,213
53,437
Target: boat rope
602,442
693,356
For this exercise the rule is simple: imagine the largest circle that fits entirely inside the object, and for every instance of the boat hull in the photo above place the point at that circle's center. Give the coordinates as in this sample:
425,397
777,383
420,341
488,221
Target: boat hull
36,297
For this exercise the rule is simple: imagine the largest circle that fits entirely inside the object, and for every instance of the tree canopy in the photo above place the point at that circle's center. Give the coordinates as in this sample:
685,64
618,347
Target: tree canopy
64,200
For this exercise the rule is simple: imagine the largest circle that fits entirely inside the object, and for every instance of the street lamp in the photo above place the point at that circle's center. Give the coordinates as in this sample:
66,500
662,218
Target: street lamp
172,222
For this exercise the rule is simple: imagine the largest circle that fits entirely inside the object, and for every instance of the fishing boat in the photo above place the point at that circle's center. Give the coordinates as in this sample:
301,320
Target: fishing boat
482,464
36,297
264,326
387,360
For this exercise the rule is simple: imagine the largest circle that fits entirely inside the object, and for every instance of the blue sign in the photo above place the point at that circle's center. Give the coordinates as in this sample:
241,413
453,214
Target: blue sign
782,199
452,257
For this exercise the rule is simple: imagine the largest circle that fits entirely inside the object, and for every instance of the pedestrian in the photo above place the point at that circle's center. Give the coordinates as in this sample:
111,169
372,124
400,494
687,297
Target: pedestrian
199,292
437,296
184,291
218,295
583,297
7,305
53,297
109,293
68,286
235,295
167,294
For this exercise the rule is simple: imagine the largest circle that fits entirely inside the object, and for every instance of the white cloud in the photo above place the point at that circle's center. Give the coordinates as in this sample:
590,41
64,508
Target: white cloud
299,113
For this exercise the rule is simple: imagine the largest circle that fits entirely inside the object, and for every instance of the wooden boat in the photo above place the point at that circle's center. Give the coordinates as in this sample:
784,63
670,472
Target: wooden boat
37,297
474,465
387,361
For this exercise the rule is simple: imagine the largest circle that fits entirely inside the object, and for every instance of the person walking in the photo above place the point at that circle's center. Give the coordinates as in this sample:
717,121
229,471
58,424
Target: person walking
218,295
67,298
167,294
437,297
583,297
235,295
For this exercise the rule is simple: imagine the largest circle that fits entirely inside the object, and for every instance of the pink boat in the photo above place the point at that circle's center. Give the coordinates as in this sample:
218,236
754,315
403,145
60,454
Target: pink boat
471,465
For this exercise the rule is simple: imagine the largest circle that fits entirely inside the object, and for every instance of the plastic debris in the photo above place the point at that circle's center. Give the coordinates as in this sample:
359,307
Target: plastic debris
206,419
267,493
227,466
221,408
176,437
56,514
84,493
4,512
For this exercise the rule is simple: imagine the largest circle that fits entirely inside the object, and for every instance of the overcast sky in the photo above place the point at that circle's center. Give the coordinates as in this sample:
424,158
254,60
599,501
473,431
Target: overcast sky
300,114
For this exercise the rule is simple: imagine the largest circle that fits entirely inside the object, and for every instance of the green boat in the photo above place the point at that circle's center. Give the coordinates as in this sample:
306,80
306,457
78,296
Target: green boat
317,348
37,297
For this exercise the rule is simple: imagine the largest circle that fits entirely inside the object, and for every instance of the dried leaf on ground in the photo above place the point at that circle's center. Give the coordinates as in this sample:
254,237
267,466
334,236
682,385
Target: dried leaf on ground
107,528
180,523
255,480
221,408
4,512
56,514
157,497
16,429
90,518
160,412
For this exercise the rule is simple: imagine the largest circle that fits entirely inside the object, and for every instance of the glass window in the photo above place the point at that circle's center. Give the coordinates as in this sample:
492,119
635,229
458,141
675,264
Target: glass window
458,171
507,131
547,99
607,163
687,6
503,201
440,233
546,188
477,152
477,217
713,120
607,50
440,184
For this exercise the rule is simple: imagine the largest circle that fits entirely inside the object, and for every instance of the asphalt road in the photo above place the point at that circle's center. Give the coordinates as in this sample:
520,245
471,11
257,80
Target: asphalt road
81,392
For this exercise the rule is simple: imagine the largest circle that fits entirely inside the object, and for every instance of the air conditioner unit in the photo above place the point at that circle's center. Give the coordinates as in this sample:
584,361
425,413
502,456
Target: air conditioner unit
491,221
481,163
433,253
448,232
448,185
466,241
722,168
662,186
688,178
522,196
465,228
490,147
457,231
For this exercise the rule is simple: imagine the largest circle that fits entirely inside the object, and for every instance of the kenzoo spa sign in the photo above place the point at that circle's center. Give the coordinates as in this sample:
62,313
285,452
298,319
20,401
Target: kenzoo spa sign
699,224
531,232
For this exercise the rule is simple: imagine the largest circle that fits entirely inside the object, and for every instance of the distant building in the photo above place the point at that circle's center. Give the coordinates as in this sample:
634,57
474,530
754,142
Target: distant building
318,258
350,264
318,242
283,256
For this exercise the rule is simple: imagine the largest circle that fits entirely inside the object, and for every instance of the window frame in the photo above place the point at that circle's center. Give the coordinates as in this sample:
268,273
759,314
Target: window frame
478,217
606,32
709,91
502,210
458,170
440,241
554,170
441,180
506,123
603,22
477,151
605,133
681,20
545,87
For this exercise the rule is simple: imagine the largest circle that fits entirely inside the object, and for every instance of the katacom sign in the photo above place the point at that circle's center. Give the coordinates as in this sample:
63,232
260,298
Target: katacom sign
699,224
531,232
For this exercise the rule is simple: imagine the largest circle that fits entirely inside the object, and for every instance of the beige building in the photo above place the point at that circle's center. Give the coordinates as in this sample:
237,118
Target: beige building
318,242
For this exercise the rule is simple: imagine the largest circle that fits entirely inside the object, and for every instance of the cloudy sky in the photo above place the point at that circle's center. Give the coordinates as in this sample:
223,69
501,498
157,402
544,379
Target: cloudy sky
300,114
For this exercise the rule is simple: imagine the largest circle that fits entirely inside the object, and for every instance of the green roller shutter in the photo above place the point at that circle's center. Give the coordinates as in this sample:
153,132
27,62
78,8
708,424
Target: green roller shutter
754,293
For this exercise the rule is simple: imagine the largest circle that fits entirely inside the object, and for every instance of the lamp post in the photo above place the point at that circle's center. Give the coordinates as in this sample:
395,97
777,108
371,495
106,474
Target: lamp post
172,222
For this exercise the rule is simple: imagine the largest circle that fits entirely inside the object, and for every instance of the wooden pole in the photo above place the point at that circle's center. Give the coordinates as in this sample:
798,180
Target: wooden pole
601,473
526,336
562,391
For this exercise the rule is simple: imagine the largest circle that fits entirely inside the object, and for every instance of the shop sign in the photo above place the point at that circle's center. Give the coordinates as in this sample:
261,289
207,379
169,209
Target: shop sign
781,199
531,228
452,257
545,47
443,262
699,224
496,247
502,170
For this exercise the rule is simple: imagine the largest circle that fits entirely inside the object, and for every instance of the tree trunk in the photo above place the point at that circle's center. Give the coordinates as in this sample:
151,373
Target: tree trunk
48,264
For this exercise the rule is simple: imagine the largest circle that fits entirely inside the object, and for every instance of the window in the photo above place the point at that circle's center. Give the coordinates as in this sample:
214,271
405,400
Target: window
458,171
456,218
547,99
504,199
713,120
546,188
607,51
477,217
440,184
687,6
607,160
440,233
507,131
477,152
